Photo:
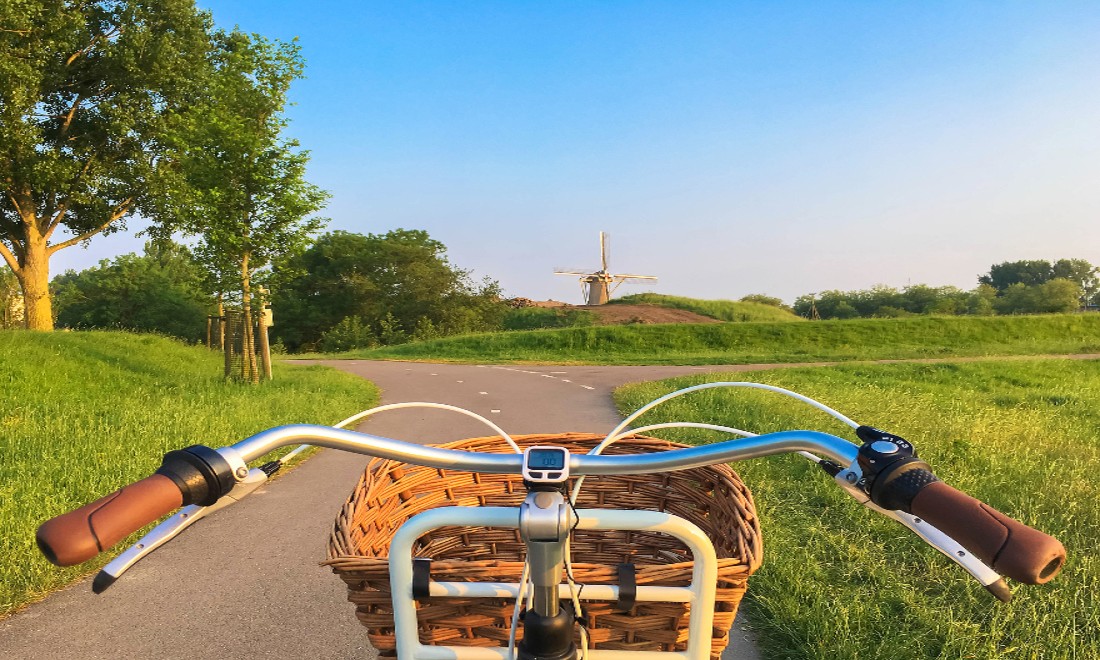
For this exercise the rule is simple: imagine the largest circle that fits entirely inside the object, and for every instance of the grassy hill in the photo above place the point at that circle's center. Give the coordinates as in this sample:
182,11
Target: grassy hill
744,343
723,310
1023,436
84,413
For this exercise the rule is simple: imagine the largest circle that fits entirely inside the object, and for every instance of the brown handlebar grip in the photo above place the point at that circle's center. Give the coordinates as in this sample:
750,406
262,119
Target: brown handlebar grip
1006,545
79,535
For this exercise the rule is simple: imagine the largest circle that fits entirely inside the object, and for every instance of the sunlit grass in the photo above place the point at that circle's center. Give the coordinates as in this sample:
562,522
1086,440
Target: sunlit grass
723,310
840,582
745,343
84,413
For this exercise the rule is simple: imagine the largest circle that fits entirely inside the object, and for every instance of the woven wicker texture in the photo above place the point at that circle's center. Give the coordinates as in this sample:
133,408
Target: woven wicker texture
390,492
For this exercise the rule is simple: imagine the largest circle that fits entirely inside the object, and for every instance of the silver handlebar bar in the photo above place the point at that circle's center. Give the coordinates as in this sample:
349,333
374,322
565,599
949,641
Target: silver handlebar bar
838,449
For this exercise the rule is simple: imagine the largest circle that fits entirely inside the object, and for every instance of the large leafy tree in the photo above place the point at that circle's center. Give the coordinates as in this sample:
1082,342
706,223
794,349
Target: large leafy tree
398,284
89,97
1037,272
244,191
1030,272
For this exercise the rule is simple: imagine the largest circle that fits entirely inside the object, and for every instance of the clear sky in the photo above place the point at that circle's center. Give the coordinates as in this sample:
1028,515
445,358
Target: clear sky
728,147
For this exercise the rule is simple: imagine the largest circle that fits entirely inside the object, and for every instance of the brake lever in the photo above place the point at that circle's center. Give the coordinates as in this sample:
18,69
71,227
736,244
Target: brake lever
172,527
849,479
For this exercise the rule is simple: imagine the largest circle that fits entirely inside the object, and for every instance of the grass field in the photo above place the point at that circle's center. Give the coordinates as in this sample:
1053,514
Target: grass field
840,582
746,343
723,310
85,413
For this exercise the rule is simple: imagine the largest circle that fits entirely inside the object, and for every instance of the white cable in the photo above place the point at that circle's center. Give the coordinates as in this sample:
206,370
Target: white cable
515,613
425,404
608,441
412,404
575,596
704,386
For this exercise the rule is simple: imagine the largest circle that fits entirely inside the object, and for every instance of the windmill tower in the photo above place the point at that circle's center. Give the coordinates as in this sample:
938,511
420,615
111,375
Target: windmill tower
597,287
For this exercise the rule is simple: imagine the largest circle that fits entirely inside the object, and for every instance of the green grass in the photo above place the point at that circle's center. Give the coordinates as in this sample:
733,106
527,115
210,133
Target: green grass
747,343
535,318
839,582
723,310
84,413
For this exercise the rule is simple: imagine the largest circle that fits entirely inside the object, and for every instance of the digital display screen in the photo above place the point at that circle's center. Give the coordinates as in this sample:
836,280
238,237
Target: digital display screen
546,459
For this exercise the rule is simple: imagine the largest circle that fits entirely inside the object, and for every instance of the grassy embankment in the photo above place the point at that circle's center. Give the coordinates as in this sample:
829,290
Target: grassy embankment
723,310
839,582
746,343
85,413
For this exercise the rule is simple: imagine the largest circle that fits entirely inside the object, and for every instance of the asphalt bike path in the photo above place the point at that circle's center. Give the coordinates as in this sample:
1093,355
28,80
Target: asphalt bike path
245,582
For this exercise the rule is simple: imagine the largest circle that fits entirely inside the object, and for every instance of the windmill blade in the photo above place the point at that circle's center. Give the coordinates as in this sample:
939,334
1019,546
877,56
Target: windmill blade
627,276
605,250
562,271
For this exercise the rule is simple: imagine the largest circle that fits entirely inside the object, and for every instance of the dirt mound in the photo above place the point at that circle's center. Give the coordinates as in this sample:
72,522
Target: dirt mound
621,314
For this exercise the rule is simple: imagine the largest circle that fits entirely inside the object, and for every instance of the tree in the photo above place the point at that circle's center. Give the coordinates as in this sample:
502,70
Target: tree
1028,272
1081,273
1055,296
245,194
980,301
11,301
160,291
389,282
89,97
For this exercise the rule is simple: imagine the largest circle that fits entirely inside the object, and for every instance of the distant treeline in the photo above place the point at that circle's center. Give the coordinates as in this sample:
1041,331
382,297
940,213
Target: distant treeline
1011,287
346,291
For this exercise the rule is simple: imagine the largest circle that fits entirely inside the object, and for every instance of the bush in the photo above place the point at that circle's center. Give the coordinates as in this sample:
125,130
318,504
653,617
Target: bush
348,334
764,299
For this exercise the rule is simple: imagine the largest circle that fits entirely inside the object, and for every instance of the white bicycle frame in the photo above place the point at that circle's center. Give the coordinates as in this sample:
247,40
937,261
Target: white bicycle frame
700,593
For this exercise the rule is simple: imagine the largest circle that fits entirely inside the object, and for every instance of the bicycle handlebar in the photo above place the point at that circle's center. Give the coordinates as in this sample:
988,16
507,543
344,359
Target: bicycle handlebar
1020,552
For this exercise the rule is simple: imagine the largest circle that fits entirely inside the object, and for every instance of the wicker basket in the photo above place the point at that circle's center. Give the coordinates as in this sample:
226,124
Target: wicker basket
390,492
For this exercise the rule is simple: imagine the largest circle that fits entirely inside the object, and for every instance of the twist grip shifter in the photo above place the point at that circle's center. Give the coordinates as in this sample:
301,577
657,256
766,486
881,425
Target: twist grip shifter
892,473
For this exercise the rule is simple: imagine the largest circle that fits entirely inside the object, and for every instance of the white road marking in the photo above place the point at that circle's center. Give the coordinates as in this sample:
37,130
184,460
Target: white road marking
459,381
435,374
552,374
494,410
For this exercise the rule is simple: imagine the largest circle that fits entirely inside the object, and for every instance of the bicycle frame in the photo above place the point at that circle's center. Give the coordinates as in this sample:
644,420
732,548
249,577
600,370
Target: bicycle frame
700,593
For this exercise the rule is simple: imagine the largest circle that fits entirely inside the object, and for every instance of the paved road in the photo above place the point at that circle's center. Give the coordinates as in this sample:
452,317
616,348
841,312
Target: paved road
246,583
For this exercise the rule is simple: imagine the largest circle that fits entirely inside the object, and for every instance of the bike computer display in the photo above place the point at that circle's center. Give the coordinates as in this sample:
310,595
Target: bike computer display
546,464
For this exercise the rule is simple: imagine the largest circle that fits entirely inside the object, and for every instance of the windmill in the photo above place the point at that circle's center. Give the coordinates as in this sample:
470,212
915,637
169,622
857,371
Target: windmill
597,287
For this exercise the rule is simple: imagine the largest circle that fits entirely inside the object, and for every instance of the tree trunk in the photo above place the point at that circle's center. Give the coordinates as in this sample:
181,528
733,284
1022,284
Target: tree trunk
34,278
221,325
251,372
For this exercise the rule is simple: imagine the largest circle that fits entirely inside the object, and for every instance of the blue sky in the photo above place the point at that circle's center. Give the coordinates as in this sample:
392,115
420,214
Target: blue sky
729,148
